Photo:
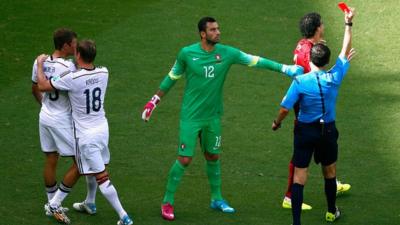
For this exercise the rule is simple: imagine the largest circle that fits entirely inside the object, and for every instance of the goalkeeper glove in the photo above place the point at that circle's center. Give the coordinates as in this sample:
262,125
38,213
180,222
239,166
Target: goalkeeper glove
149,107
292,70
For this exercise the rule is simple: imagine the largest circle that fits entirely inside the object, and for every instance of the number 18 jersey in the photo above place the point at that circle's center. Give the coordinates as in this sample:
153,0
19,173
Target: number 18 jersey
86,91
56,107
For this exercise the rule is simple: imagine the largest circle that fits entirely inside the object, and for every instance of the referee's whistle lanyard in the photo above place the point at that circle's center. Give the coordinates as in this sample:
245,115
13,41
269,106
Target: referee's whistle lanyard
321,120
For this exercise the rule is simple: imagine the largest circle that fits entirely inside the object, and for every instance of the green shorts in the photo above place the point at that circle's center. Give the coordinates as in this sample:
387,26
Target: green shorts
208,132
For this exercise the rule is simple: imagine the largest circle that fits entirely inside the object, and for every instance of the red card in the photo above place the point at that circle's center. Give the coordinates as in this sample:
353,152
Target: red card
344,7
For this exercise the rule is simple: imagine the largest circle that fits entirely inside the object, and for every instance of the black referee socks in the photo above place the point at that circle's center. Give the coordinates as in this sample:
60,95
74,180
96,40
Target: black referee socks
297,200
330,192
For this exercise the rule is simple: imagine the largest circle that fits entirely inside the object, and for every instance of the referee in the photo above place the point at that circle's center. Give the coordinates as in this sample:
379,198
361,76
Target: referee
316,133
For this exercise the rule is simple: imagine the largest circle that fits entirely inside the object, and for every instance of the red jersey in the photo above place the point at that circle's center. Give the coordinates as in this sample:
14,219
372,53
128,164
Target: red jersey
302,54
302,58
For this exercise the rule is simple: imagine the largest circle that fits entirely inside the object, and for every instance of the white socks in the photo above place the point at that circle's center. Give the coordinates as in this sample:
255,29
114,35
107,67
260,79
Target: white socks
91,189
51,191
60,195
109,192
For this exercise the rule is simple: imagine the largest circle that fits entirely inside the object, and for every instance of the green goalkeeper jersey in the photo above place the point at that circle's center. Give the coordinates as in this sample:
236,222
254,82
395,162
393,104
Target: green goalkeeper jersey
205,74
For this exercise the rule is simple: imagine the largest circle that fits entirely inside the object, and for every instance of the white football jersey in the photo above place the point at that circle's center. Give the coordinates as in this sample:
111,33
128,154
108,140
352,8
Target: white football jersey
86,91
56,107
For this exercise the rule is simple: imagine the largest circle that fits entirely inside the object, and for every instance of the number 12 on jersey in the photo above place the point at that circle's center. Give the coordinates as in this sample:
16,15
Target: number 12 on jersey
208,71
93,100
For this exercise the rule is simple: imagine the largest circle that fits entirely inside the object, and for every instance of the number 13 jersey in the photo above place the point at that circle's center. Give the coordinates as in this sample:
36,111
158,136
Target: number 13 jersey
56,107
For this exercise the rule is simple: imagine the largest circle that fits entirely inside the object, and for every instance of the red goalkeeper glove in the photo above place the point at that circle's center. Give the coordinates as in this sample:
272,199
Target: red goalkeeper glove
149,107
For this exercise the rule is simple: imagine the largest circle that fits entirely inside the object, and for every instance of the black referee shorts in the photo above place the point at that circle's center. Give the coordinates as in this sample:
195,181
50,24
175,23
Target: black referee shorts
315,138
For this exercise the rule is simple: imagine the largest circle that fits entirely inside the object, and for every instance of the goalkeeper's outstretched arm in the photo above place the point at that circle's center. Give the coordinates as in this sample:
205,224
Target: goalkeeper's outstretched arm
290,70
264,63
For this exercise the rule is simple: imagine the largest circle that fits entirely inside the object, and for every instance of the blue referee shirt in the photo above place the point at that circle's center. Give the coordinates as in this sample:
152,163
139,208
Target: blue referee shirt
305,89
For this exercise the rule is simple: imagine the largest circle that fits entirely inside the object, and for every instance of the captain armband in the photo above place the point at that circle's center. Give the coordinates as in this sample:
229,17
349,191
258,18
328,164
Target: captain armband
254,60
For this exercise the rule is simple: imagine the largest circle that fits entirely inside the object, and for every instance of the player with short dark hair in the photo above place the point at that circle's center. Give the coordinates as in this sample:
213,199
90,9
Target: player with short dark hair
320,55
312,29
63,36
202,24
55,123
86,89
309,24
315,132
205,66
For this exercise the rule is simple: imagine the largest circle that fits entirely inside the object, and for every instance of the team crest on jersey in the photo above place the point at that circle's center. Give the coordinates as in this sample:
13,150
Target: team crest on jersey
183,146
218,58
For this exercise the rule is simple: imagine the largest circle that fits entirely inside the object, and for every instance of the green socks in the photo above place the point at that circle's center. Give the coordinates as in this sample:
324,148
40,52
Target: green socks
174,178
214,178
175,175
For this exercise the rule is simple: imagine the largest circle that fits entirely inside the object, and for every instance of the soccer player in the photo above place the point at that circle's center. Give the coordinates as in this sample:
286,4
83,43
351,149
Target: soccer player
315,132
86,89
312,30
55,123
205,65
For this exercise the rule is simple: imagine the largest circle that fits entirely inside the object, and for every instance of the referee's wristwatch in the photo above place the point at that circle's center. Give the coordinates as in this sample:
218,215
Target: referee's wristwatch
350,24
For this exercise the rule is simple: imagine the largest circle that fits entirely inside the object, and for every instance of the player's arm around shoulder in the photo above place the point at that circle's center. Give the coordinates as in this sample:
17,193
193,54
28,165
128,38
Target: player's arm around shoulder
37,94
58,82
42,82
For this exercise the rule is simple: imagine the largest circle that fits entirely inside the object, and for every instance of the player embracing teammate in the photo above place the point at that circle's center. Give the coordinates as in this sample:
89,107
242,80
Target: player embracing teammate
85,88
55,121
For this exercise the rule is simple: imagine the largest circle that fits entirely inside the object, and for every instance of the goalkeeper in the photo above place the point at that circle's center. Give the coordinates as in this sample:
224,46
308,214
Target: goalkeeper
205,65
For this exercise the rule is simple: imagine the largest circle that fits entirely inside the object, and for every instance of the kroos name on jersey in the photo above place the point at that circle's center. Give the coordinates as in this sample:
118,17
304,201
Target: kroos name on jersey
92,81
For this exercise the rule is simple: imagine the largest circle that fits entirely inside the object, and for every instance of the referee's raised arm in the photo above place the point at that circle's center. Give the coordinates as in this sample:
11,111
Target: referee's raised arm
347,51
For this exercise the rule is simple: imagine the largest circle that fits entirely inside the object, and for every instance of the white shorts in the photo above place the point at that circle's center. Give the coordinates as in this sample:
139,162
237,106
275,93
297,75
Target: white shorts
59,140
92,153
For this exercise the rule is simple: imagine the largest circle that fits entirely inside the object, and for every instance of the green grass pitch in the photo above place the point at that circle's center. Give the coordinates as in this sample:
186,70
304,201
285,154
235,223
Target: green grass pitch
138,41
